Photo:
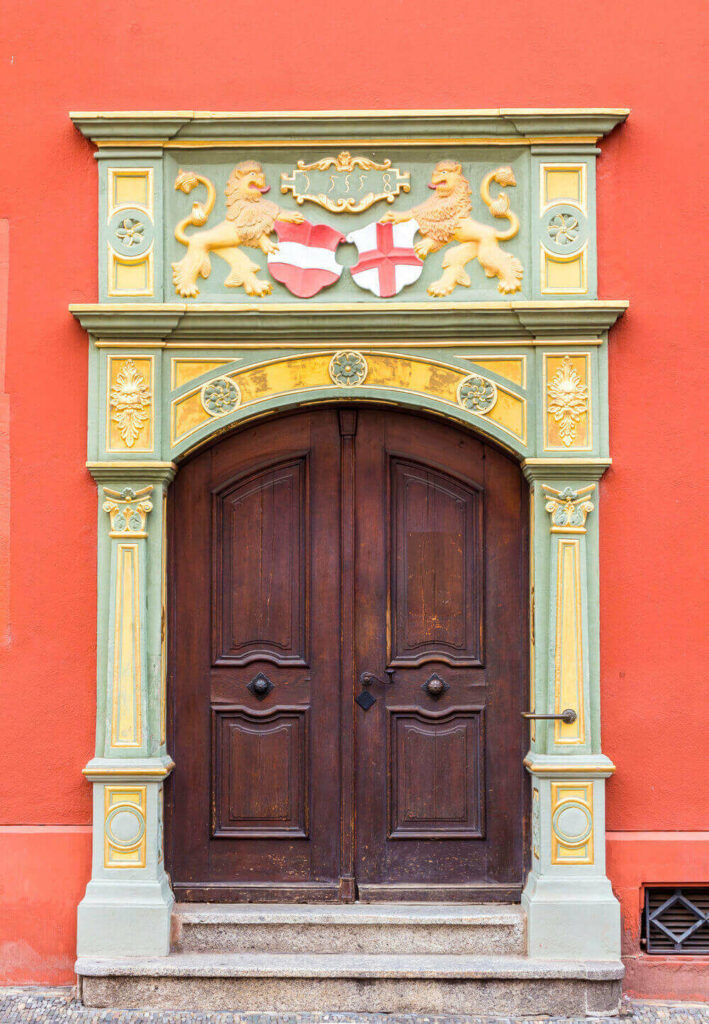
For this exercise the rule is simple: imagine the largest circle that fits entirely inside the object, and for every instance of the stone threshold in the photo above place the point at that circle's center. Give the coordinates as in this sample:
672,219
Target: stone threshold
339,965
350,914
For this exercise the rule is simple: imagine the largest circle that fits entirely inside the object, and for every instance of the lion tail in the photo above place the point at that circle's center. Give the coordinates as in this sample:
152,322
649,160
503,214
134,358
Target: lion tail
185,182
500,205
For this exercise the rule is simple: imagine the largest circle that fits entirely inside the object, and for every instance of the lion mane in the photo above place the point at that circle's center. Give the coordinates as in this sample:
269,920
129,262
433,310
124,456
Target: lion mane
252,217
438,218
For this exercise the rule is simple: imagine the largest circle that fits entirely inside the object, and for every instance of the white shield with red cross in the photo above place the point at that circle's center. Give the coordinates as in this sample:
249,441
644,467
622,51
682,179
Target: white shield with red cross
387,261
305,261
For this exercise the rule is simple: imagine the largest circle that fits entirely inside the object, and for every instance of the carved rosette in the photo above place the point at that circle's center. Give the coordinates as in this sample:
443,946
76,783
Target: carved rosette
130,402
220,396
477,394
567,400
348,369
128,510
568,508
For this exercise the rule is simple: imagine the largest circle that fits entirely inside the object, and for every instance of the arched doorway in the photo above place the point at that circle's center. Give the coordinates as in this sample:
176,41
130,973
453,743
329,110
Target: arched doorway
349,660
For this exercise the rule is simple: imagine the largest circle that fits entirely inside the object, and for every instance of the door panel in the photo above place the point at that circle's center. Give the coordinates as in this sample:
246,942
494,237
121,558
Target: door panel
436,559
260,772
256,785
306,551
440,557
261,578
436,774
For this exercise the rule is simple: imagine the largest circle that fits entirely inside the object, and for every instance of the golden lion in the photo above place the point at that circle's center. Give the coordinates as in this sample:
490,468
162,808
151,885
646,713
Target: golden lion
249,221
446,216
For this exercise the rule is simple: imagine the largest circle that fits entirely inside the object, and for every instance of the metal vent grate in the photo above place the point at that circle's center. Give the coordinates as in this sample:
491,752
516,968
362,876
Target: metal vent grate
676,920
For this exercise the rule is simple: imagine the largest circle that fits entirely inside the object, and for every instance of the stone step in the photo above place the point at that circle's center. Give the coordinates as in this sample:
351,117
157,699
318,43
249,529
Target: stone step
375,983
355,928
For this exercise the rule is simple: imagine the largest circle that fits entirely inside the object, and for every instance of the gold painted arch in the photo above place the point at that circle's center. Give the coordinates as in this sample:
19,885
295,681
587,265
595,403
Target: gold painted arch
212,402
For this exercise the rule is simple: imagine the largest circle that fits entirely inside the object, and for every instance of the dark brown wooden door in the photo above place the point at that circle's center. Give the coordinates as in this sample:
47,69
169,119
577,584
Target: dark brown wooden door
348,636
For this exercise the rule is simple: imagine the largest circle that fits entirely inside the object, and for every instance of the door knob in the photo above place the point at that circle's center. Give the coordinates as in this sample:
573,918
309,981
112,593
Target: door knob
435,686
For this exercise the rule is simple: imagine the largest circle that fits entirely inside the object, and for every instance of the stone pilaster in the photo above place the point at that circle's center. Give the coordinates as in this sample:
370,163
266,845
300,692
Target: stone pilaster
569,902
128,902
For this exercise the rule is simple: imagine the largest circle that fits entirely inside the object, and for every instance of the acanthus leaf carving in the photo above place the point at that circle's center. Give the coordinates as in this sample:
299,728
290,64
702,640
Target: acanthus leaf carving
130,401
567,400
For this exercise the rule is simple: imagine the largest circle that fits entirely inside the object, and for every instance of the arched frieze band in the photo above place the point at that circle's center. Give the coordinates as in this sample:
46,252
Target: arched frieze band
494,407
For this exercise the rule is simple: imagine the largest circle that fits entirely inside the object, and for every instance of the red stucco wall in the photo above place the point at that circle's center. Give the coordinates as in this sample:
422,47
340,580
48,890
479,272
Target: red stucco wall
652,233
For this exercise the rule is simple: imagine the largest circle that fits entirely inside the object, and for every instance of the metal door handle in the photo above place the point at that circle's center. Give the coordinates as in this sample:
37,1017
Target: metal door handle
569,716
367,678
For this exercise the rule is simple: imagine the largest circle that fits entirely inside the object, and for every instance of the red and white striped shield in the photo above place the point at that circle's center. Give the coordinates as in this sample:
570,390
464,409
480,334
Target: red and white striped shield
305,262
387,261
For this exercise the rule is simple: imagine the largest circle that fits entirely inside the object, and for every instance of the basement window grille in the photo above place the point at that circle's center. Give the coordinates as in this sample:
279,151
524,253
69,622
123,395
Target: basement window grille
676,920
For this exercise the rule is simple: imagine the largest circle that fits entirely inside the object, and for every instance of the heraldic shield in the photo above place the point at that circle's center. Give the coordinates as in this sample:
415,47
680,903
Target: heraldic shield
387,261
304,260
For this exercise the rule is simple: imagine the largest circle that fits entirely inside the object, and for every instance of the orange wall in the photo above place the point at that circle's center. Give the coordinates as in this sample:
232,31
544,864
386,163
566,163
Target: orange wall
273,55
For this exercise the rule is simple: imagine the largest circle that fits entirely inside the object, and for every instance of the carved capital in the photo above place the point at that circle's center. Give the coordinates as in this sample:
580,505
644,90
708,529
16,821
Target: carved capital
568,508
128,510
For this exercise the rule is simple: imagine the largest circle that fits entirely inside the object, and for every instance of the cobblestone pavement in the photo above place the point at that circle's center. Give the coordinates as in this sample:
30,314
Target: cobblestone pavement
59,1006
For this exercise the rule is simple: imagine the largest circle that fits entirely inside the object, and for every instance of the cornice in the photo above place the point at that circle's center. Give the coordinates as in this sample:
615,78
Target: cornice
363,321
429,127
568,468
131,469
107,769
554,766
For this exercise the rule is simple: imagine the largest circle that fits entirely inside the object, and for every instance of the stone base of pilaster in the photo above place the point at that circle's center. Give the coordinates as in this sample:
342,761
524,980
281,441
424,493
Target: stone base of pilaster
125,919
128,904
571,918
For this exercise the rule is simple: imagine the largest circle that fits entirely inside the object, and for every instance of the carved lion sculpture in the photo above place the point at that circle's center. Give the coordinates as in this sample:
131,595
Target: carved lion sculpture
446,217
249,222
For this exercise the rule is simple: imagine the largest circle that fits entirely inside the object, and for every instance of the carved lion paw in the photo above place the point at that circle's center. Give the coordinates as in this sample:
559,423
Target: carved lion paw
441,287
258,288
267,246
184,284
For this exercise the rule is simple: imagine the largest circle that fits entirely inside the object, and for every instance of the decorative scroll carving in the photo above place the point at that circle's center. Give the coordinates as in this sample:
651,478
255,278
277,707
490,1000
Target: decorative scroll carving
249,222
445,217
130,401
128,510
352,198
568,400
568,508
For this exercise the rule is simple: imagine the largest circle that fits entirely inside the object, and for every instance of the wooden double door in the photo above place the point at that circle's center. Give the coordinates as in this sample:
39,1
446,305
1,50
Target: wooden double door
349,659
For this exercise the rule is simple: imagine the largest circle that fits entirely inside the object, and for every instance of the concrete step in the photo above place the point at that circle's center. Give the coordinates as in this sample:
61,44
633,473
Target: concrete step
375,983
356,928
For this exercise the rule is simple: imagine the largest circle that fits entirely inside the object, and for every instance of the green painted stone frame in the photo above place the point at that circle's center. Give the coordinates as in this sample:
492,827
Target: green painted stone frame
570,906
